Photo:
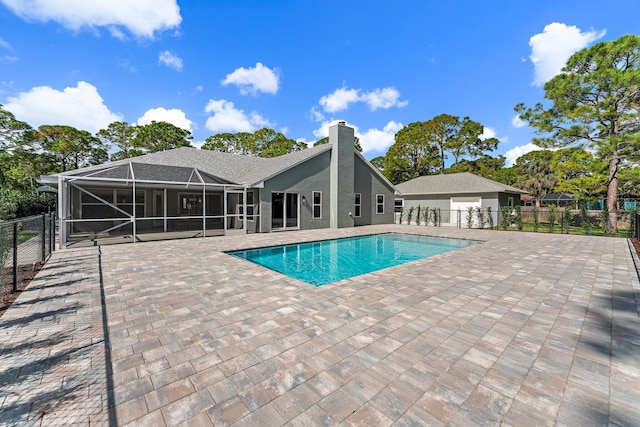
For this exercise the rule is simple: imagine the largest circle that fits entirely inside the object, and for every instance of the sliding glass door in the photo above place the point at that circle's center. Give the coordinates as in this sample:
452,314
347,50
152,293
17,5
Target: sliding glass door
284,210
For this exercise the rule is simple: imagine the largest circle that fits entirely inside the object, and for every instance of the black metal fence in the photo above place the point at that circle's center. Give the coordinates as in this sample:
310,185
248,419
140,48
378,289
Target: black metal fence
25,244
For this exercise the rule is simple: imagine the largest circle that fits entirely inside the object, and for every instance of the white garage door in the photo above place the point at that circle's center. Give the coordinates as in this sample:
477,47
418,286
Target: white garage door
463,204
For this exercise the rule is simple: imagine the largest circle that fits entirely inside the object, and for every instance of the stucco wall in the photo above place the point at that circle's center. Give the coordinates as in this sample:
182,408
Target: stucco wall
312,175
368,184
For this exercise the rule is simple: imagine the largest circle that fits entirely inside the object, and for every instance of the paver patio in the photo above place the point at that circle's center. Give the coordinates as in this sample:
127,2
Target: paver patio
523,329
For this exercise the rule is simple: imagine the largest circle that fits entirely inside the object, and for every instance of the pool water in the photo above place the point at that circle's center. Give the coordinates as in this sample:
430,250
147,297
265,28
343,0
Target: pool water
328,261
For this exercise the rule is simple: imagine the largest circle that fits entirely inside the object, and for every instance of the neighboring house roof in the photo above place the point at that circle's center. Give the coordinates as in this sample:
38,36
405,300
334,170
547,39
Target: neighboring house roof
557,197
222,167
455,183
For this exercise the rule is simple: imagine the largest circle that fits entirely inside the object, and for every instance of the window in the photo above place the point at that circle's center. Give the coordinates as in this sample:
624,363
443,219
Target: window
250,206
357,205
190,204
379,203
398,205
317,204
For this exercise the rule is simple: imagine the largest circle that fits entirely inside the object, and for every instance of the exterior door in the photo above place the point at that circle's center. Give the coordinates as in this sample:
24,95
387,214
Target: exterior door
285,211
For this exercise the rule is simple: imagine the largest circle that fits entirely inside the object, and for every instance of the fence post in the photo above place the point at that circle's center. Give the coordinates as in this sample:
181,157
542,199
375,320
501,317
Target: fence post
15,256
50,235
637,225
44,237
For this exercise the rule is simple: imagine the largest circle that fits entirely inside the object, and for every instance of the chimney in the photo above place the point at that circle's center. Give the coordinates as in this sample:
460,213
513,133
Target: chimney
341,138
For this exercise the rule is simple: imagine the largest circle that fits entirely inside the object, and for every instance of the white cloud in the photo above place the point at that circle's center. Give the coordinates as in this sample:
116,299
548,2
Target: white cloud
227,118
341,98
371,140
174,116
8,58
81,107
5,44
254,80
379,140
517,122
383,98
316,115
551,49
513,154
170,59
143,18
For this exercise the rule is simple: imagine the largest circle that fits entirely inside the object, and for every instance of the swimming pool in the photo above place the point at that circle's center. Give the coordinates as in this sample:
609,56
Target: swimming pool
328,261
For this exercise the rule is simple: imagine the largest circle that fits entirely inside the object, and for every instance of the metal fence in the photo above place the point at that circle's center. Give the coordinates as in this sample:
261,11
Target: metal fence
541,219
25,244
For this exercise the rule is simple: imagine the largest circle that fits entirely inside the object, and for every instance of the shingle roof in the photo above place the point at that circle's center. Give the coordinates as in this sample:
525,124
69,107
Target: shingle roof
454,183
230,168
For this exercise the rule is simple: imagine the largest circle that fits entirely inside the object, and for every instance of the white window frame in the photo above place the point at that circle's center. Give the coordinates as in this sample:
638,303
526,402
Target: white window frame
314,204
378,204
357,205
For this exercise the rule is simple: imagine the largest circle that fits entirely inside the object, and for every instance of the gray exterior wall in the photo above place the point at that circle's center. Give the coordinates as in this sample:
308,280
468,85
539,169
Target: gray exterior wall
443,202
341,138
312,175
368,184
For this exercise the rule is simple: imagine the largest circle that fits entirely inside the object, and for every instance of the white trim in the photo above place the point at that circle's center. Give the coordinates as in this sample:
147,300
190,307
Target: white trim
378,204
313,205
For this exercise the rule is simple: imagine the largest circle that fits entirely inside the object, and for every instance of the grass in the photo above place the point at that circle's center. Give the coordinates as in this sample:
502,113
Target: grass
557,229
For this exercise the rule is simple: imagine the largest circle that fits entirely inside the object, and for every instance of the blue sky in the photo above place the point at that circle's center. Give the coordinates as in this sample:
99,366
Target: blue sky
296,66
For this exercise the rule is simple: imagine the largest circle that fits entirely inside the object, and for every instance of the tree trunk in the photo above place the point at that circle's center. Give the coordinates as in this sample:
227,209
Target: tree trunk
612,192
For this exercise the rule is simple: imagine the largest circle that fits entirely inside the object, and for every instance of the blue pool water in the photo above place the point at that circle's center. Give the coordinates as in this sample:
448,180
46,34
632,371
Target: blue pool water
327,261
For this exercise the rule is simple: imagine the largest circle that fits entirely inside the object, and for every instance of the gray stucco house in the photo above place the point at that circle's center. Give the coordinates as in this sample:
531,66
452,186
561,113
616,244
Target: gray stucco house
453,193
214,193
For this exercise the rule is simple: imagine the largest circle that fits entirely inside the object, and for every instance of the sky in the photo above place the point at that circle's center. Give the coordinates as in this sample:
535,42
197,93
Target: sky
295,66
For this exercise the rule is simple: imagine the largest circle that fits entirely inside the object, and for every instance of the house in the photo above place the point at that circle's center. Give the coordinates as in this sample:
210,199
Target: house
453,194
205,193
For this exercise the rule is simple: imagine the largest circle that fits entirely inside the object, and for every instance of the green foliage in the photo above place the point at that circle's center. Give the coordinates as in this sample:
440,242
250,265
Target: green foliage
552,218
536,175
536,218
401,214
594,103
378,163
435,216
72,148
470,211
411,155
585,221
485,166
410,215
418,218
505,217
122,136
262,143
632,223
14,204
565,220
481,217
356,143
518,217
605,220
490,217
160,136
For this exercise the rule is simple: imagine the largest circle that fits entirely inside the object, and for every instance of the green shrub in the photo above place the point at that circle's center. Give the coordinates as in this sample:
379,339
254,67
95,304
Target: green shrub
20,205
470,211
401,214
552,218
481,217
518,217
584,219
418,218
410,215
505,218
606,228
536,218
435,216
490,217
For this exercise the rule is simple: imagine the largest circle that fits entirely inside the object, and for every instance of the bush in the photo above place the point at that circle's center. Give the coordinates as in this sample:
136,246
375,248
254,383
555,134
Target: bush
481,217
505,217
470,211
566,219
490,217
19,205
435,216
606,228
552,218
401,214
518,217
584,218
410,215
418,215
536,218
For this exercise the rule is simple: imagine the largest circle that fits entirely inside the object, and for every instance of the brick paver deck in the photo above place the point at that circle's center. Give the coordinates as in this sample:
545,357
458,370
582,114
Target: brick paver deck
523,329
